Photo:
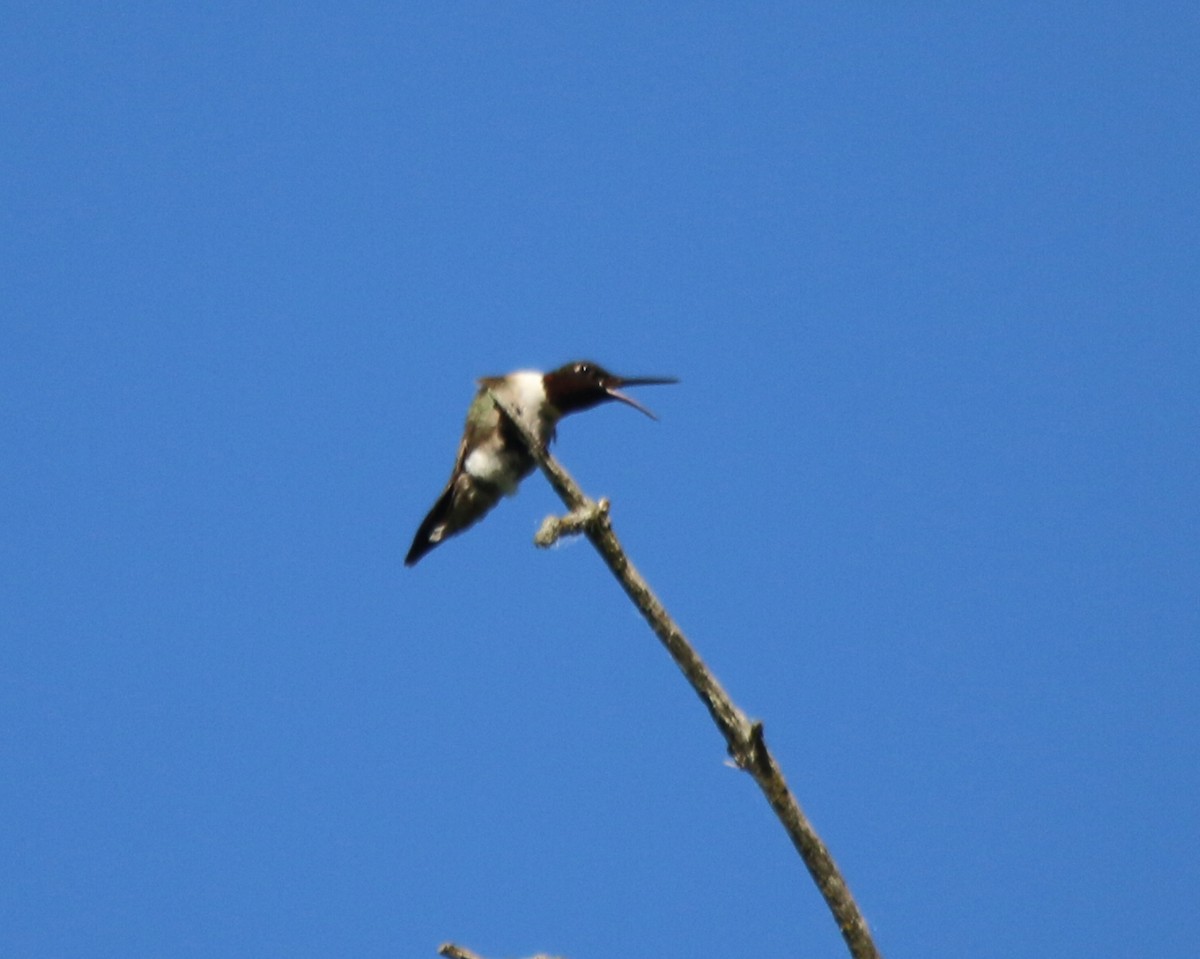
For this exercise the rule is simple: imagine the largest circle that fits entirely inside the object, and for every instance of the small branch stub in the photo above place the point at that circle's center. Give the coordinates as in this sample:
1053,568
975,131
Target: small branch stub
579,520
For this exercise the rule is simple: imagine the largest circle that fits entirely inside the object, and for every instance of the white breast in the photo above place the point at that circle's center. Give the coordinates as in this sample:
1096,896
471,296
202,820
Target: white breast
529,396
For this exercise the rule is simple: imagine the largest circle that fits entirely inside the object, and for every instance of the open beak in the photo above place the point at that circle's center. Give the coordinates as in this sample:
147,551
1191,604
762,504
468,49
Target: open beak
611,388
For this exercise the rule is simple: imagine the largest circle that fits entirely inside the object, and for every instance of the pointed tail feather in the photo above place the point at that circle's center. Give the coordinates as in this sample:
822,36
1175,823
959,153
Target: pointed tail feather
432,529
463,503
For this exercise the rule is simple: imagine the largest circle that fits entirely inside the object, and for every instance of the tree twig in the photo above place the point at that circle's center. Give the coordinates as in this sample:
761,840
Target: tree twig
744,738
452,951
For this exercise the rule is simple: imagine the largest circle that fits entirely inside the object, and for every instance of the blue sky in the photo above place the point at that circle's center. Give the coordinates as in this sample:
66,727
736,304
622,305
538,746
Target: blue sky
926,497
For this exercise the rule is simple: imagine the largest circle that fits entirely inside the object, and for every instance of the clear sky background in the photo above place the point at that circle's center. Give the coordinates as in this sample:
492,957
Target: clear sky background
926,497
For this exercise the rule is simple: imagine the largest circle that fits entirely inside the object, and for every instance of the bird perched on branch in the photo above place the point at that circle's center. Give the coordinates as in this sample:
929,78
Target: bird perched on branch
492,457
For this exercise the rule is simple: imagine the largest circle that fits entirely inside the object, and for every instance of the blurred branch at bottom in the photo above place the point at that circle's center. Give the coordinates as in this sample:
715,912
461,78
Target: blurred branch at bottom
452,951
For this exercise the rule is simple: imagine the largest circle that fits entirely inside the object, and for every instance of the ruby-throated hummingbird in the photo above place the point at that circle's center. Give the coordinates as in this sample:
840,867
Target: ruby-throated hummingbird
492,458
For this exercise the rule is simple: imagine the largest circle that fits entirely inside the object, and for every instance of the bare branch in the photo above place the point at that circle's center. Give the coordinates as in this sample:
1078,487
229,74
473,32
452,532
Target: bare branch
452,951
745,739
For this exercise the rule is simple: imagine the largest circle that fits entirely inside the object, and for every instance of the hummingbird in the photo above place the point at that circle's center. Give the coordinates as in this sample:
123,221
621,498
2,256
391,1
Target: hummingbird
492,457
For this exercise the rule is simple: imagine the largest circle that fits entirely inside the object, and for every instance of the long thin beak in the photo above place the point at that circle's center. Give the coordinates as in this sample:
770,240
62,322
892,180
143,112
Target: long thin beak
611,389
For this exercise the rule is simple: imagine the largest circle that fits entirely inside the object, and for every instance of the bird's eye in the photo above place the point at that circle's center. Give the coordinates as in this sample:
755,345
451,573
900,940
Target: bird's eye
583,368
